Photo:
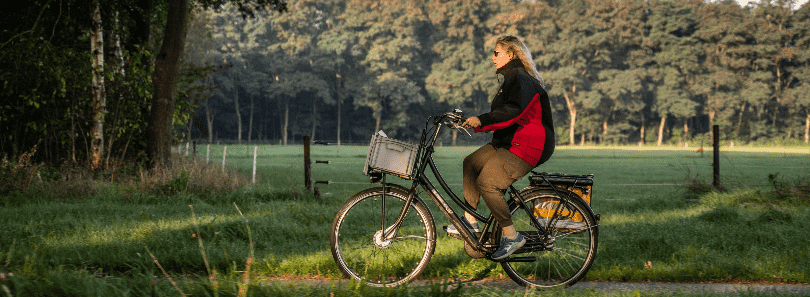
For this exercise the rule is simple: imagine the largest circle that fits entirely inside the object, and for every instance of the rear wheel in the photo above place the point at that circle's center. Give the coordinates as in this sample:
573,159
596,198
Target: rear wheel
362,253
564,256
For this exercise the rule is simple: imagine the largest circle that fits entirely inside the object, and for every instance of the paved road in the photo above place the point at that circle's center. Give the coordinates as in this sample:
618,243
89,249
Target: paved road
613,287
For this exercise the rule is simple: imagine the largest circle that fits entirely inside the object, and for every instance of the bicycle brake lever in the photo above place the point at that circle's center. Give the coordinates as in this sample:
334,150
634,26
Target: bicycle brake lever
465,131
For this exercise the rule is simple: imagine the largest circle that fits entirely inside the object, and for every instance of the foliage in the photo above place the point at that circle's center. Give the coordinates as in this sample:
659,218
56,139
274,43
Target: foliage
614,70
798,188
618,68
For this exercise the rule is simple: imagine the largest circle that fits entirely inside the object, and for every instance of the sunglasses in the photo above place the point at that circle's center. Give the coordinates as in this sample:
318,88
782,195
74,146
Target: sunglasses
497,53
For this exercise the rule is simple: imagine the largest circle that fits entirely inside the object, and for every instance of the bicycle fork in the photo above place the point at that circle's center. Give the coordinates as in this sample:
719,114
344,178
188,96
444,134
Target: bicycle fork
386,235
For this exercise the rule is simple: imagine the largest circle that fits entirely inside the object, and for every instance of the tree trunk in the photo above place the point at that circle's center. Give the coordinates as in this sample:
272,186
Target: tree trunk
339,103
167,71
686,130
807,128
740,119
73,131
314,118
99,100
119,58
711,123
455,136
250,124
604,130
572,113
238,114
661,130
209,119
643,133
286,122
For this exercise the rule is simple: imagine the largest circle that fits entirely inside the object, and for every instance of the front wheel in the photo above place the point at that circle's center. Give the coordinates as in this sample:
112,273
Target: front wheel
362,253
565,256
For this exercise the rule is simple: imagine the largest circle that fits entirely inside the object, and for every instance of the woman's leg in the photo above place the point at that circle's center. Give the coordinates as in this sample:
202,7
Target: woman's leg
472,168
500,171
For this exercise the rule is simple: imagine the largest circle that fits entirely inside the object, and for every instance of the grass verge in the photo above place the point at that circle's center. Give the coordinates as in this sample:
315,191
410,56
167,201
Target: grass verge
98,232
62,283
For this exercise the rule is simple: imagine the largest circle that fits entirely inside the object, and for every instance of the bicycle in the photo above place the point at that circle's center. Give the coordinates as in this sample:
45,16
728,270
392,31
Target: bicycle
386,235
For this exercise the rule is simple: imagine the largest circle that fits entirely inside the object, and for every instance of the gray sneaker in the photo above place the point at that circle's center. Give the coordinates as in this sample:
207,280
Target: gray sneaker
508,246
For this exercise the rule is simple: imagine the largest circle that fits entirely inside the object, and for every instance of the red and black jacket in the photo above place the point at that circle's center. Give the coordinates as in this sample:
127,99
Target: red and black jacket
520,116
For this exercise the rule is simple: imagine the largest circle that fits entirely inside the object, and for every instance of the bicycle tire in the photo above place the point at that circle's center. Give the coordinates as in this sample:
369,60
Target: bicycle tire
568,258
359,251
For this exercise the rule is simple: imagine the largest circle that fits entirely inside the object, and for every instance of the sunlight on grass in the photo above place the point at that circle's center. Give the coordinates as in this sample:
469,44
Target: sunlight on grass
136,232
622,219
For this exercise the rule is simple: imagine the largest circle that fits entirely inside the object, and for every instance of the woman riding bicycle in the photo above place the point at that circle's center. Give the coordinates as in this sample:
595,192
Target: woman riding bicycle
523,138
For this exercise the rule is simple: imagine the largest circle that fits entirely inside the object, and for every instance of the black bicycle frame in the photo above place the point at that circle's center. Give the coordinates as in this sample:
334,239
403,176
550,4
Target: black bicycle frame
465,231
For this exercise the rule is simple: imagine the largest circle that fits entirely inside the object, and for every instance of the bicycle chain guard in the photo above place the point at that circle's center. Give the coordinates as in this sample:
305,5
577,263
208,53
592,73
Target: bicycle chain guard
472,252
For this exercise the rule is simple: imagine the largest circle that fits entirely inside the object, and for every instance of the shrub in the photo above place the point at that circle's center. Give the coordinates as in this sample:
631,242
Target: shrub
17,175
799,188
22,182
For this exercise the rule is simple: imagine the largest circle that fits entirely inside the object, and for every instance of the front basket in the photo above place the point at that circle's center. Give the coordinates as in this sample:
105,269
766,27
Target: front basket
391,156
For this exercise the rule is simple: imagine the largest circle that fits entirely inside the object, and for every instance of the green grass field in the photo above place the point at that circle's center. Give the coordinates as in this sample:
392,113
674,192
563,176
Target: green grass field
649,230
640,195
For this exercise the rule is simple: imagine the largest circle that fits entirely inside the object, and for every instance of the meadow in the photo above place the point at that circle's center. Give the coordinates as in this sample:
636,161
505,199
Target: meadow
661,220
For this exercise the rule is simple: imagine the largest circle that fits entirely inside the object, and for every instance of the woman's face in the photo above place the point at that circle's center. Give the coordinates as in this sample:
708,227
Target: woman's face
500,57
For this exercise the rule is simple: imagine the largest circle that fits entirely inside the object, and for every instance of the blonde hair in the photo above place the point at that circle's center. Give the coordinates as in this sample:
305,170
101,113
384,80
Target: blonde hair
516,46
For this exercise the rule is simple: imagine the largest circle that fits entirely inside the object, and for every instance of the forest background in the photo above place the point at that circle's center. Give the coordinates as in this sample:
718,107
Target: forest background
618,72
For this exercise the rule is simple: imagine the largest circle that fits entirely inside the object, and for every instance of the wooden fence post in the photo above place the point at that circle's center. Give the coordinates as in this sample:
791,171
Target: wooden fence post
224,151
255,149
716,164
307,165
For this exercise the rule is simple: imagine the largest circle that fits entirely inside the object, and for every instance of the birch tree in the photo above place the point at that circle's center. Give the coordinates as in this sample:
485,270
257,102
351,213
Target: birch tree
99,98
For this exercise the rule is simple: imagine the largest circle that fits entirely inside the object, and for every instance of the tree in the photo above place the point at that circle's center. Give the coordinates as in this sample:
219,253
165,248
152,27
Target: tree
724,31
800,68
583,47
292,78
159,131
770,57
618,84
99,99
390,95
675,61
387,45
461,74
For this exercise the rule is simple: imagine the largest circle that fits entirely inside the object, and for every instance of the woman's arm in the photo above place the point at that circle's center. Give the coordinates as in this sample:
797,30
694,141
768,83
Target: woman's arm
518,91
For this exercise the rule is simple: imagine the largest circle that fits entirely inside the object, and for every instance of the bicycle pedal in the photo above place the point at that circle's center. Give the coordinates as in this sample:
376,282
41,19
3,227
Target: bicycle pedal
453,235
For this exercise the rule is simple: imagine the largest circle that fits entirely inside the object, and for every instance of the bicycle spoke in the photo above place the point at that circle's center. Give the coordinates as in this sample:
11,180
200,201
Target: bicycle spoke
362,253
570,250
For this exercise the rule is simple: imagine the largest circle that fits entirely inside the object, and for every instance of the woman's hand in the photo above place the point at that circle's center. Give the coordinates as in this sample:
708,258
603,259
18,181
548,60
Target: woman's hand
472,122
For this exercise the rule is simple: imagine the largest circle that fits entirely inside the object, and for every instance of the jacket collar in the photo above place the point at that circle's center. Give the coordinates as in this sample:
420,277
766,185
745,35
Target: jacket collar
514,63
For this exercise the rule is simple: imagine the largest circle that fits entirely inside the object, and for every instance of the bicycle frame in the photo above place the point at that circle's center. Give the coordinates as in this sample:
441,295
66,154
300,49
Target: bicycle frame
466,232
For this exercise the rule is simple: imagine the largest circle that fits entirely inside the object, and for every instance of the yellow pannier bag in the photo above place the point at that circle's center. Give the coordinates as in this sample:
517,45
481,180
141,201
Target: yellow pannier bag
544,209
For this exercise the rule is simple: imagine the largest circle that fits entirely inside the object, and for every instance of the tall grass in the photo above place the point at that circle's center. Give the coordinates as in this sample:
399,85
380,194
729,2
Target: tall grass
22,182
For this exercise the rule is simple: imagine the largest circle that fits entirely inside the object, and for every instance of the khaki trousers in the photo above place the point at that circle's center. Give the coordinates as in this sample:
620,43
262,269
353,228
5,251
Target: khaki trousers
488,172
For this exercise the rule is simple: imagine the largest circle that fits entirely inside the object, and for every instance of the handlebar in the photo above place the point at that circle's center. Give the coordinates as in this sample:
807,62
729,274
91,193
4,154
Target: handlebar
453,120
